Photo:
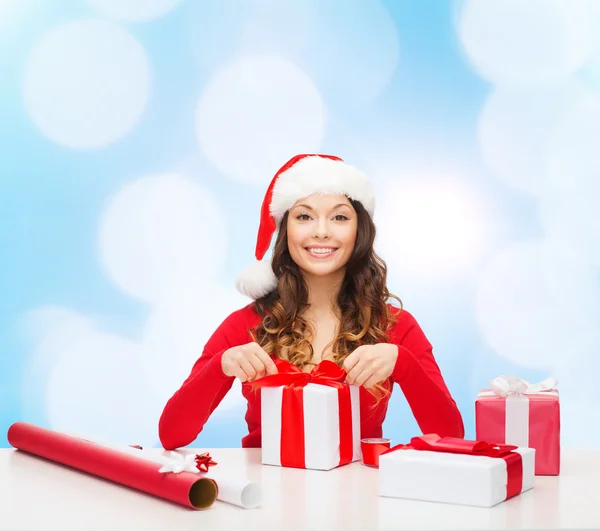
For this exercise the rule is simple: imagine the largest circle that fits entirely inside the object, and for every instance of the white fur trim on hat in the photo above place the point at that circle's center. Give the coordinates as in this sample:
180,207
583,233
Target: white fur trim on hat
319,175
257,280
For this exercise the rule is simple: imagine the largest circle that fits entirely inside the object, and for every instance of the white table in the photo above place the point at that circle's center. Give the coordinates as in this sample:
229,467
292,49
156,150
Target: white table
36,494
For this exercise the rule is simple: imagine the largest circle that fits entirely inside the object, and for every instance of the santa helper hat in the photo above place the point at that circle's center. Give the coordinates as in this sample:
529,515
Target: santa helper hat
301,176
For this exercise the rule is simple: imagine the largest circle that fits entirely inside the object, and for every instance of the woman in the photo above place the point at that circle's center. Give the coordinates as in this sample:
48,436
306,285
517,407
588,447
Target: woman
322,296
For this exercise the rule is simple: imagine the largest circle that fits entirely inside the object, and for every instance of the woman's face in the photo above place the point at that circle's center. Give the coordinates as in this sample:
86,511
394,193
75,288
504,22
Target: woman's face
321,232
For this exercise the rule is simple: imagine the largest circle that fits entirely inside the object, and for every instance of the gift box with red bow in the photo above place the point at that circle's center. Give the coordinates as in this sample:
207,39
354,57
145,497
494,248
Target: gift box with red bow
516,412
457,471
309,420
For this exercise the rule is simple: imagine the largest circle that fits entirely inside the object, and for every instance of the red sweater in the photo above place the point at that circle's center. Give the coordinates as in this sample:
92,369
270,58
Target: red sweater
416,372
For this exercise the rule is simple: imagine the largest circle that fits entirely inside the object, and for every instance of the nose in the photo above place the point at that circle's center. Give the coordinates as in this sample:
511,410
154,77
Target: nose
321,229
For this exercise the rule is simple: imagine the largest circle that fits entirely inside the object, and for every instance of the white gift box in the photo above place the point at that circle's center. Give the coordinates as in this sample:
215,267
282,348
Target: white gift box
450,477
321,415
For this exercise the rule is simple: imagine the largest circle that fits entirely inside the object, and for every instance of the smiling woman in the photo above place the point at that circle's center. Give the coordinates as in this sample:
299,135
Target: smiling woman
322,296
321,232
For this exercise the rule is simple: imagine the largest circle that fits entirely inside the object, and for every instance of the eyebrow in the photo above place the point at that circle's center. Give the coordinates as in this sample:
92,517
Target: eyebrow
336,206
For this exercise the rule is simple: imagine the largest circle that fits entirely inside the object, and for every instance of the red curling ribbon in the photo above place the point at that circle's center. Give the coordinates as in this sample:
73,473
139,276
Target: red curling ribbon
204,461
434,443
371,449
293,381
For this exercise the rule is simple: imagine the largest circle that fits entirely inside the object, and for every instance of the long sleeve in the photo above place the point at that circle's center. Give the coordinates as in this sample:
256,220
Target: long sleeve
421,381
188,410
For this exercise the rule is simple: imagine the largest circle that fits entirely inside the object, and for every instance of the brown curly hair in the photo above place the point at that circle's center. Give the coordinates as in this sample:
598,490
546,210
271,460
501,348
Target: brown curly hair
365,317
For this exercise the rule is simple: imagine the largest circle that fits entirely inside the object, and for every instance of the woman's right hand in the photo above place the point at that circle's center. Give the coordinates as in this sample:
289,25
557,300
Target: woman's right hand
247,362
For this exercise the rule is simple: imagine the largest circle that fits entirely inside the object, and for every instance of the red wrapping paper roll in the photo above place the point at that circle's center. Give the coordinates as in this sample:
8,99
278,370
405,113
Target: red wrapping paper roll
185,488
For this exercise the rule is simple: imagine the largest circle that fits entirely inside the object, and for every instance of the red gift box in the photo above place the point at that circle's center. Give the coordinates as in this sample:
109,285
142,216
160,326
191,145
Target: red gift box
527,415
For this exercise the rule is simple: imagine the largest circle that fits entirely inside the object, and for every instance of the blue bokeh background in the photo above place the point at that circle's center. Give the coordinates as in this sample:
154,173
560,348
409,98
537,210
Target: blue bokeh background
137,140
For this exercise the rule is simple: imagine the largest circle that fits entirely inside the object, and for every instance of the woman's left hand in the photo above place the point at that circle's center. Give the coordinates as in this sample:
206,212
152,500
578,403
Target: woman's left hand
370,364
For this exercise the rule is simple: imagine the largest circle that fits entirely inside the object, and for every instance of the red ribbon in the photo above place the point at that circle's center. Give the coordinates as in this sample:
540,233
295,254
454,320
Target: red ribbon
204,461
293,381
371,451
435,443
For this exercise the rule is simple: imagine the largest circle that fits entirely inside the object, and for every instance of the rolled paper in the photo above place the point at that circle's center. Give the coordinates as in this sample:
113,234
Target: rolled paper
371,449
230,488
236,490
123,468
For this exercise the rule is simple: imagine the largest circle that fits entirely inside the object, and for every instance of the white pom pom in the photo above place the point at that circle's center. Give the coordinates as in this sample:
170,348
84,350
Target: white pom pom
257,280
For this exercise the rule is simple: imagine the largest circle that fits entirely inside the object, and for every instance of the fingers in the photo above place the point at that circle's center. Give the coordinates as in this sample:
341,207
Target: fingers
260,361
363,367
247,368
238,365
257,365
362,372
356,371
235,370
354,365
248,362
372,381
268,364
352,359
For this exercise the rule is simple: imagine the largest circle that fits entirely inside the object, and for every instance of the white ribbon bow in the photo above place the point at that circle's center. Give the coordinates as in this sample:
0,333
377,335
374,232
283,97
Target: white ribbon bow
177,463
511,385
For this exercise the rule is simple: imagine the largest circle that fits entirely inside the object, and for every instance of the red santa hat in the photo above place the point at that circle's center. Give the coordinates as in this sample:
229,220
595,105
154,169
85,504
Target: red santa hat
301,176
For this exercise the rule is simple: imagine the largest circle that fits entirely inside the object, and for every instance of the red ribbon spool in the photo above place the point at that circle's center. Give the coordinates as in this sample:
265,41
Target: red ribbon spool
371,449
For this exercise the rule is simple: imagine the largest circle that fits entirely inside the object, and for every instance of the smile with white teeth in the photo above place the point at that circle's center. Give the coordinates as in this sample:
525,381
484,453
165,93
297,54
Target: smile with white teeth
321,250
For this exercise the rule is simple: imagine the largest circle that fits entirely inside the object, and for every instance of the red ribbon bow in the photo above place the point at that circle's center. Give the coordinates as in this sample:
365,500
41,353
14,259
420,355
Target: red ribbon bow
435,443
204,461
453,445
289,375
293,381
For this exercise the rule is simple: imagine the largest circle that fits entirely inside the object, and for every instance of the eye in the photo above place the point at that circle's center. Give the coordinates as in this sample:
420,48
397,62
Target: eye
341,217
303,217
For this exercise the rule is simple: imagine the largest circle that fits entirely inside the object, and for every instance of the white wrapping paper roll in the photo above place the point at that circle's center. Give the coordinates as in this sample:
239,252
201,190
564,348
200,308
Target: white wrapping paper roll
238,491
231,489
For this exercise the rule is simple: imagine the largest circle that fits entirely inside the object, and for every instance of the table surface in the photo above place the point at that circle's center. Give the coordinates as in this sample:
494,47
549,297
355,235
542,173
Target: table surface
38,494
